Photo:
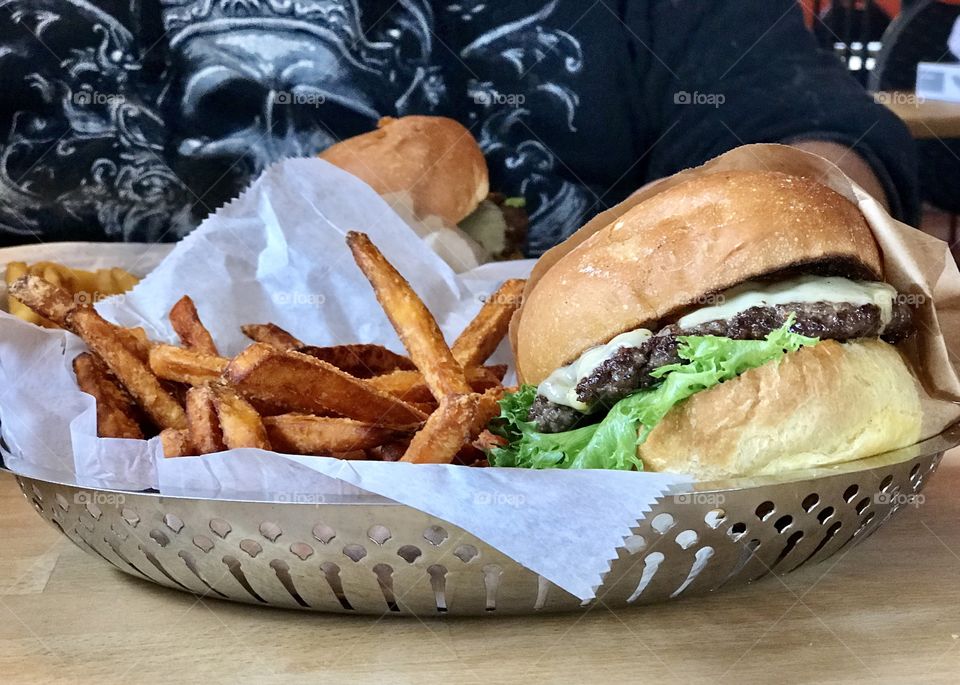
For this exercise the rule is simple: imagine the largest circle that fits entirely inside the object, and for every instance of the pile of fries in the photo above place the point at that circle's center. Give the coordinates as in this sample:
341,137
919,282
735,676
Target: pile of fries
84,286
359,401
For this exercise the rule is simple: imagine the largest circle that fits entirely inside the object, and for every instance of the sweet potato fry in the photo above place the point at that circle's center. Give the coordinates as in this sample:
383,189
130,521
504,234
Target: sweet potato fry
55,304
353,455
304,384
498,371
120,348
487,440
457,421
470,455
116,412
175,442
360,360
482,335
271,334
203,424
308,434
136,341
411,319
46,299
16,271
101,337
411,387
426,407
160,406
391,451
185,366
240,424
188,326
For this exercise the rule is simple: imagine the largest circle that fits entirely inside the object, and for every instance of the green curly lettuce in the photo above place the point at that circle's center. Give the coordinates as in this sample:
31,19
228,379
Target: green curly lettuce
612,443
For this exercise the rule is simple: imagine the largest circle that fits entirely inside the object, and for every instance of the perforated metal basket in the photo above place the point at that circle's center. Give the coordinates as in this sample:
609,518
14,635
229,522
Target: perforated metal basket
375,558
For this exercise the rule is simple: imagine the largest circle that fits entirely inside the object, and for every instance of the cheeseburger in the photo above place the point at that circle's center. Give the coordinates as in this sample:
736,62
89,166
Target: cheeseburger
735,324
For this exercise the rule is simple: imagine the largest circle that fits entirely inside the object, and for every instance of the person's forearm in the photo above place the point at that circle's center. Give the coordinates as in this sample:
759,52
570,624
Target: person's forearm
852,164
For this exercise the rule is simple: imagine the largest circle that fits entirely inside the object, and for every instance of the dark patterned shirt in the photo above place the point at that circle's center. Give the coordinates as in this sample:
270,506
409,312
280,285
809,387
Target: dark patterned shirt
132,119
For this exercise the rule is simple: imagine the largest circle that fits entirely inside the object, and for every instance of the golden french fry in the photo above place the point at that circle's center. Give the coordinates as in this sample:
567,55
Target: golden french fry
188,326
176,443
106,340
15,270
203,424
240,423
116,412
415,325
185,366
360,360
48,273
457,421
304,384
115,280
324,436
482,335
411,387
84,286
271,334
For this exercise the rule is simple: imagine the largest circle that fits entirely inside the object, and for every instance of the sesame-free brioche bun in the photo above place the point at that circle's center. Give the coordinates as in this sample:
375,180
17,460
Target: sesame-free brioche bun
674,250
434,160
827,404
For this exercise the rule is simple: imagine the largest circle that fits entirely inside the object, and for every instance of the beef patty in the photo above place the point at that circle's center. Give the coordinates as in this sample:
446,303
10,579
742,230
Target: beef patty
630,368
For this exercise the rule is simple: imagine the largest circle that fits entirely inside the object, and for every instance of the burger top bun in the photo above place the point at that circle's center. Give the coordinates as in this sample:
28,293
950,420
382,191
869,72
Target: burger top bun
672,251
433,159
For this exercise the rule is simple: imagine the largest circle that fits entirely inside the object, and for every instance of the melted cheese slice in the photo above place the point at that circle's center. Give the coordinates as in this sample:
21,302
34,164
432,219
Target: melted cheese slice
801,289
560,386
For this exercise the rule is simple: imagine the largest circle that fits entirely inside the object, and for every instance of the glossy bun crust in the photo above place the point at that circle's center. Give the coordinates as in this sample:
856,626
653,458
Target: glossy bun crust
434,160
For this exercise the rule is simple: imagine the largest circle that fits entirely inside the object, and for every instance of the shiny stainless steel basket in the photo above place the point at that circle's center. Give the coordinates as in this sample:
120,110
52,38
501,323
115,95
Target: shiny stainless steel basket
375,558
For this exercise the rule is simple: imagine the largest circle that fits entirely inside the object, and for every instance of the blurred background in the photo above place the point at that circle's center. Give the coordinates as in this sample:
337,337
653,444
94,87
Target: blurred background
132,120
881,42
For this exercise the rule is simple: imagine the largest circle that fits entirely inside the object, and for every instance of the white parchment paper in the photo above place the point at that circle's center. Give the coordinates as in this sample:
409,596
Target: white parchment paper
277,253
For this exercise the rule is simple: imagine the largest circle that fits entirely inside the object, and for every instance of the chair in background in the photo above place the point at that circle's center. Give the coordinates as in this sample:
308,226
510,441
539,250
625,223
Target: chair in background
920,35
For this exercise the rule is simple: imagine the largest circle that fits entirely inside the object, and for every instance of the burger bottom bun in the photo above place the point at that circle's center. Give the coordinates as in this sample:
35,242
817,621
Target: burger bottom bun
827,404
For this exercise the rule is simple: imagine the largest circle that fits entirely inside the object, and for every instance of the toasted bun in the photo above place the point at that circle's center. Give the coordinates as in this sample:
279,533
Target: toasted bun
821,405
673,250
434,160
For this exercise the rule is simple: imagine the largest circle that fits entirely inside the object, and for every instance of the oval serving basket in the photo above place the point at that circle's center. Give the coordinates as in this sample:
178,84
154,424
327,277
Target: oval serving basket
376,558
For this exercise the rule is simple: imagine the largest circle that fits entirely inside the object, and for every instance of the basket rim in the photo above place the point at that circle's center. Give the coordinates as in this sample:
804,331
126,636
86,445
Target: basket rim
947,439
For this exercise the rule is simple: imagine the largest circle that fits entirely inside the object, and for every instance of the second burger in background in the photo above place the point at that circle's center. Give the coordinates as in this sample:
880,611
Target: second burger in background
431,170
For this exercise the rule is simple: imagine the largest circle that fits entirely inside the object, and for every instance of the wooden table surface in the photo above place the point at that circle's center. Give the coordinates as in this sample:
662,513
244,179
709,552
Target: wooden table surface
887,610
924,118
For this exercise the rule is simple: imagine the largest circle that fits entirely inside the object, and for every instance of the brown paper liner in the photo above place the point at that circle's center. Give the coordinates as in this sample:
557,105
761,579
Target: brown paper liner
916,264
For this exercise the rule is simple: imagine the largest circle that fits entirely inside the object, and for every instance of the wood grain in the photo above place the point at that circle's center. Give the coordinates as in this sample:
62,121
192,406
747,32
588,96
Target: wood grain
884,611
